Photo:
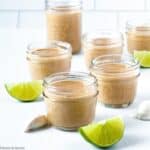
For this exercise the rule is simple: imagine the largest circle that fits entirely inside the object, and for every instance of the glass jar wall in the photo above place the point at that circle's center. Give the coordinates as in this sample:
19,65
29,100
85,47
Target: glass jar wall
47,58
70,99
64,22
138,35
117,77
98,43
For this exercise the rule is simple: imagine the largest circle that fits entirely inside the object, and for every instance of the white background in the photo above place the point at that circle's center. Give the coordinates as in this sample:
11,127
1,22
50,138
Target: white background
15,116
22,21
110,13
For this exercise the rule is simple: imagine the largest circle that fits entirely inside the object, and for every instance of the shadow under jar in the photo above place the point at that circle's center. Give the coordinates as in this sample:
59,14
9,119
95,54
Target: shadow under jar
70,99
117,77
64,22
46,59
138,35
101,43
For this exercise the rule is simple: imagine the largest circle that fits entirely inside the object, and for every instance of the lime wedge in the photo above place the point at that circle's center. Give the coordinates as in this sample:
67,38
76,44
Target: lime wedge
104,133
143,57
25,91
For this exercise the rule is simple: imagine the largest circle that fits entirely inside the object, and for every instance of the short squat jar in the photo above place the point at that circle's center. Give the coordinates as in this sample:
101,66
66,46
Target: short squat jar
70,99
46,59
117,77
100,43
63,20
138,35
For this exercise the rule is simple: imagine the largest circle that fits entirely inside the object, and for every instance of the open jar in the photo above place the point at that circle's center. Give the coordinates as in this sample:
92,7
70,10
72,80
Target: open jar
138,35
64,22
100,43
117,77
71,99
47,58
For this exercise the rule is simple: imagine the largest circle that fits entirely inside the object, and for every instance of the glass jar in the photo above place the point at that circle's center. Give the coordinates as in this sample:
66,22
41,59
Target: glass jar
64,22
138,35
100,43
70,98
117,79
46,59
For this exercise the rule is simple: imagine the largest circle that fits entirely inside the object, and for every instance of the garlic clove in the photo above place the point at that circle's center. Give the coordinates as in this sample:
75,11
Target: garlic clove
37,123
143,112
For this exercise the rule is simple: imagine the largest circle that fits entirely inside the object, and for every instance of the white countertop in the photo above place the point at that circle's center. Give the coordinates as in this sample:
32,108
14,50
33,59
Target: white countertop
15,115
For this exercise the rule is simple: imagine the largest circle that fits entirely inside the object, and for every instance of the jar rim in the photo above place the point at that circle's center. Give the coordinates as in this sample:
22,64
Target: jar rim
138,24
63,5
89,78
40,46
104,37
99,61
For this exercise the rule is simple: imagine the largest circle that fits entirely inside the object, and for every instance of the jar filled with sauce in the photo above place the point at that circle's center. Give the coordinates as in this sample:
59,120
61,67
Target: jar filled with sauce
45,59
138,35
70,99
63,20
117,77
101,43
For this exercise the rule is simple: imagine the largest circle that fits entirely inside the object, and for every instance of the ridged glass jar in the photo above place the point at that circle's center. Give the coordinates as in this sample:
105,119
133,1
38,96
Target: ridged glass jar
117,77
138,35
98,43
70,99
63,20
47,58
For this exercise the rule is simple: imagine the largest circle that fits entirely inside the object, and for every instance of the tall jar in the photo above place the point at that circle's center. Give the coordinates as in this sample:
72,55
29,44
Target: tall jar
70,99
138,35
117,77
45,59
98,43
64,22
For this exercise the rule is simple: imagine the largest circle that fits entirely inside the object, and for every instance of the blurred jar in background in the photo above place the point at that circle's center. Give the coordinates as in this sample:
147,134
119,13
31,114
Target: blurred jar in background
100,42
46,59
138,35
64,22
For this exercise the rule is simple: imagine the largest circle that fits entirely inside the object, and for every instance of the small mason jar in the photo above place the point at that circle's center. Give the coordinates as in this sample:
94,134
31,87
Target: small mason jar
117,77
100,43
71,99
138,35
46,59
63,20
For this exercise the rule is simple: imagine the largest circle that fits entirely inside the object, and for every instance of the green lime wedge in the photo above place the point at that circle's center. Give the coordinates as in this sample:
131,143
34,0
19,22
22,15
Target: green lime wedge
104,133
143,57
25,91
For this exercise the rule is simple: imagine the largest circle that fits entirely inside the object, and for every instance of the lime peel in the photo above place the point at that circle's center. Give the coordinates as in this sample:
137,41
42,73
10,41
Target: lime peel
25,91
143,57
104,133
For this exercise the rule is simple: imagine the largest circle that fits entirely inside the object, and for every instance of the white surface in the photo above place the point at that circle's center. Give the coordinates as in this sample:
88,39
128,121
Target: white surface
34,4
22,4
124,16
15,115
32,19
120,5
99,20
8,19
107,13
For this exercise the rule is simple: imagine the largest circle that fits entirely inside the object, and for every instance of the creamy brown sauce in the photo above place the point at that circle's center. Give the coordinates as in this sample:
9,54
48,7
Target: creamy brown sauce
73,88
115,68
45,52
65,25
138,39
44,62
100,46
116,85
72,106
103,41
